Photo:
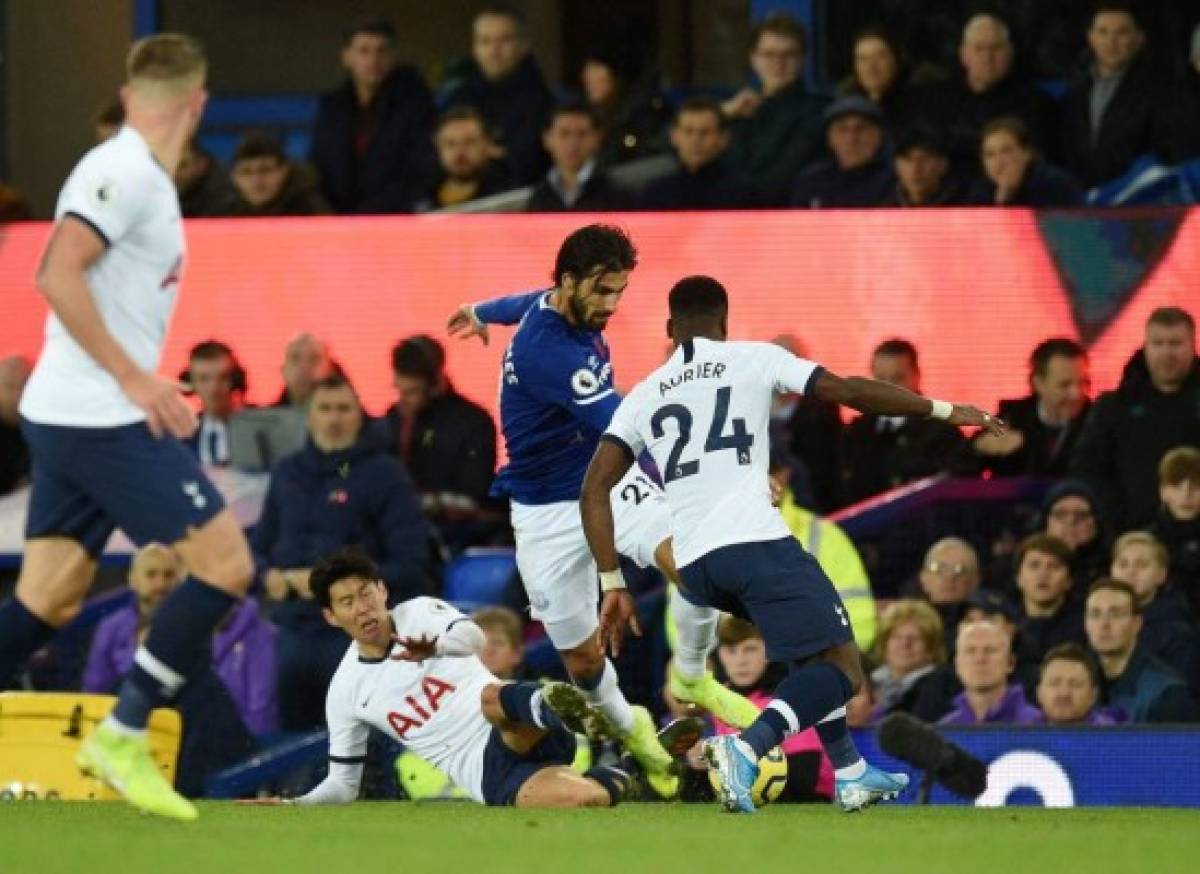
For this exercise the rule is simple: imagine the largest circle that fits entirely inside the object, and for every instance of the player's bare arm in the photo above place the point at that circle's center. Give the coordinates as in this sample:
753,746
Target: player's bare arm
884,399
609,465
62,279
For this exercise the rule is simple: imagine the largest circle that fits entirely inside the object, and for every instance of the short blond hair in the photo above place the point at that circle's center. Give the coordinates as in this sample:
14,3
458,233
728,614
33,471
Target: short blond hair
920,614
503,620
166,60
1142,538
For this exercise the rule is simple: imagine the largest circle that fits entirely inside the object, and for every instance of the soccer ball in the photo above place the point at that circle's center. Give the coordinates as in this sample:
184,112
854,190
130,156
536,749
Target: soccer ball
772,777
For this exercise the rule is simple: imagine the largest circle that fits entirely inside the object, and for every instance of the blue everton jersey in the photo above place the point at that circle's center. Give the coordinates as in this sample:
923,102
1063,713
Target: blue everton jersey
556,399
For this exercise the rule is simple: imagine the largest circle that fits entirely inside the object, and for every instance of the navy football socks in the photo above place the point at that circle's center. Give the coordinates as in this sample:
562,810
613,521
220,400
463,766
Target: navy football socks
21,633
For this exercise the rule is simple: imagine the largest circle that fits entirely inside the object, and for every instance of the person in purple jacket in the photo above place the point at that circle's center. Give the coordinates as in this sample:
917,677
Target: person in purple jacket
983,660
243,645
1069,689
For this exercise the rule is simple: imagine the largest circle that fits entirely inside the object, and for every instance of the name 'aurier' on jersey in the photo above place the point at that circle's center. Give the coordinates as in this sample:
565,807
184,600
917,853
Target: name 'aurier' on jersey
704,417
556,399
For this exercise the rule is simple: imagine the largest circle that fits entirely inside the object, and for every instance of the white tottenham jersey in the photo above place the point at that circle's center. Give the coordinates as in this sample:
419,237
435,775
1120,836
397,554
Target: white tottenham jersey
704,415
127,197
432,707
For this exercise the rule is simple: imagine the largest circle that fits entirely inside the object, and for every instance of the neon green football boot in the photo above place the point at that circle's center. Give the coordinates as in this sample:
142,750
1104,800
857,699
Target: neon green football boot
643,744
123,762
705,692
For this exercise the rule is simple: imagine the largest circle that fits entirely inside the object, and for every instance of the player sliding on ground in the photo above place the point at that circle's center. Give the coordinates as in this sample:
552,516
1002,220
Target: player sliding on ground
556,399
703,415
414,674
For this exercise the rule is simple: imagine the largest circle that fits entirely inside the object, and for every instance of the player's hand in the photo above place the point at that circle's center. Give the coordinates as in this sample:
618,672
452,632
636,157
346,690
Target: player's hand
965,414
159,399
415,649
776,491
276,584
743,104
464,325
617,610
999,445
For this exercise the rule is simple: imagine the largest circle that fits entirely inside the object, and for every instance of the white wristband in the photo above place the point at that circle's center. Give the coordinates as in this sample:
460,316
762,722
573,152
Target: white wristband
612,580
941,410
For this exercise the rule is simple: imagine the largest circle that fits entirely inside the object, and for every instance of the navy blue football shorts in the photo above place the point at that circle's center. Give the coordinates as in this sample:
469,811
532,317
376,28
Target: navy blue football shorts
779,587
505,771
88,481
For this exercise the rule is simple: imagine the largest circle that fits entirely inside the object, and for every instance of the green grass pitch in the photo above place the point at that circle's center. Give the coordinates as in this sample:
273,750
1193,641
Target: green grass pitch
381,838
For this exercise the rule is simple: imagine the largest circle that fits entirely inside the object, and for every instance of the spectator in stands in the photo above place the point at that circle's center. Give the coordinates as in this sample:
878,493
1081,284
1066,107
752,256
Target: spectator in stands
883,452
575,182
742,655
1178,522
504,651
305,362
1014,172
923,173
859,173
340,490
1048,616
108,120
466,168
1144,688
812,431
908,648
447,443
706,178
632,114
14,454
1072,514
983,660
834,551
268,184
1168,631
1155,408
13,205
776,127
243,647
371,137
1069,688
505,84
1118,108
879,74
949,575
219,382
988,88
204,187
1043,426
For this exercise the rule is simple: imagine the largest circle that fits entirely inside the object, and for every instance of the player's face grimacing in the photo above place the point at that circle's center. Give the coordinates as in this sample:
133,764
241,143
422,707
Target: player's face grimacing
594,299
359,608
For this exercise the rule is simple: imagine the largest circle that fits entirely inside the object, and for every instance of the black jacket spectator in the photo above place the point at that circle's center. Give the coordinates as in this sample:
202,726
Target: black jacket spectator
876,458
376,159
299,196
515,109
1046,450
961,113
1044,186
773,144
450,448
1136,122
1169,633
1150,691
599,194
814,434
720,184
493,180
1182,540
1126,434
205,190
1040,634
825,185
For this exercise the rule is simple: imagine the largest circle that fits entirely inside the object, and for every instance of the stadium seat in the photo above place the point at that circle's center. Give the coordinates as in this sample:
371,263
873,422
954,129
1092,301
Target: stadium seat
479,577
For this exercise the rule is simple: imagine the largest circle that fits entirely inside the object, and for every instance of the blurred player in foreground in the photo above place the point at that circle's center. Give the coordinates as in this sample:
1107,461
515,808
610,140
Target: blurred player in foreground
703,415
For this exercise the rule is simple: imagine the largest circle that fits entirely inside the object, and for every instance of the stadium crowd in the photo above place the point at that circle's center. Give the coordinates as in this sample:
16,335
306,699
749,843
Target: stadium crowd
1091,617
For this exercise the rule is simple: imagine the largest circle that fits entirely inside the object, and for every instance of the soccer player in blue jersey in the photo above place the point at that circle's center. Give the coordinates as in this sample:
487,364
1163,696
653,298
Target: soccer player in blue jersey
703,416
556,399
102,426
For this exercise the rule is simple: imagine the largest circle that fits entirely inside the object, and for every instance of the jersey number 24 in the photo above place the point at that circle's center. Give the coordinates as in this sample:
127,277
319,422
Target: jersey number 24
740,440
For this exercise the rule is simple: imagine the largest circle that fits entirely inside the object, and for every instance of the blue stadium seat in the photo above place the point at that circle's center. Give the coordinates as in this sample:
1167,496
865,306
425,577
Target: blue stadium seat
479,577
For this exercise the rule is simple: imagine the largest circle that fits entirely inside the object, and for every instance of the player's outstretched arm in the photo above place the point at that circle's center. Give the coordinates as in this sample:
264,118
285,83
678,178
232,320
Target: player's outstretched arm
609,465
62,279
884,399
472,319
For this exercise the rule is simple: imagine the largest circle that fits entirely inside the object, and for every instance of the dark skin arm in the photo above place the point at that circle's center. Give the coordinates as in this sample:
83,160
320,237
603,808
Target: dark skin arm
885,399
609,465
